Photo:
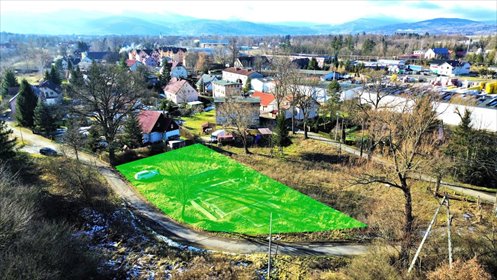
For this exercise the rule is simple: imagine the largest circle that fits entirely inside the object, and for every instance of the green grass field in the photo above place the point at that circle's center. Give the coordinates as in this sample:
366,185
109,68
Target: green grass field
207,190
194,123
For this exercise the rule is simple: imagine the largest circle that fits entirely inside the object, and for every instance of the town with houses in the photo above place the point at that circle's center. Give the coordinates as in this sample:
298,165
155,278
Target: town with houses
353,155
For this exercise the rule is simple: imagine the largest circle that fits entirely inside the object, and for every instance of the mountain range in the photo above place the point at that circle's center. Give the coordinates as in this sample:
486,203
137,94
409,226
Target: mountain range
74,22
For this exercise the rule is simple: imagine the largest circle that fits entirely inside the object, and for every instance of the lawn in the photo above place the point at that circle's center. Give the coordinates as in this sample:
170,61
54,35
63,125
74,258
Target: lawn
193,123
207,190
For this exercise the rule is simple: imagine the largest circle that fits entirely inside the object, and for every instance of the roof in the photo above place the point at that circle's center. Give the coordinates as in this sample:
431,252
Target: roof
249,61
147,120
174,86
50,85
266,98
455,63
238,99
239,71
130,62
224,83
97,55
437,61
440,50
206,78
172,49
265,131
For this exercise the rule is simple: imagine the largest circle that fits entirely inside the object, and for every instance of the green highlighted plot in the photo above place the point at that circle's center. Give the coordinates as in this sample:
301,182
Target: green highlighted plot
198,186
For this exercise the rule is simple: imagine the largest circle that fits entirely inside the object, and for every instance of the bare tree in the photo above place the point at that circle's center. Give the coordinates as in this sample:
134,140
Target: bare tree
239,114
73,138
108,94
302,95
285,73
409,136
234,51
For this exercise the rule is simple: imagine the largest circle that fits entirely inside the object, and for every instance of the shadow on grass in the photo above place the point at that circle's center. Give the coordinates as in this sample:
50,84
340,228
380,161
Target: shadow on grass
318,157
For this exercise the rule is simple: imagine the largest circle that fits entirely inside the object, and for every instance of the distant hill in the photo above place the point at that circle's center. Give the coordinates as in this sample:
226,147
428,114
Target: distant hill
74,22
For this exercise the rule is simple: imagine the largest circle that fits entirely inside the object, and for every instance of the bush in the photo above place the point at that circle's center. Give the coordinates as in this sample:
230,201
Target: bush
377,264
468,270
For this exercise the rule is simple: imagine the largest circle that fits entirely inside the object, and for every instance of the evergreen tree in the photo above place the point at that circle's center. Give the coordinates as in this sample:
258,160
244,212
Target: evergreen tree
93,139
246,87
9,80
44,121
313,64
7,143
165,75
46,76
123,64
132,132
76,77
280,132
26,104
55,75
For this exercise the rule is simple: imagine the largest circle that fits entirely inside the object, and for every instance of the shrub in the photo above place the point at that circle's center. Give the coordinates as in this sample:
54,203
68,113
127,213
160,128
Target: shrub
468,270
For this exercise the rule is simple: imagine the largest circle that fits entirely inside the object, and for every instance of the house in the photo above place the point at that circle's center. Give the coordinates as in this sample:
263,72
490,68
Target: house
435,65
440,53
269,109
50,93
267,103
175,53
239,75
205,81
419,53
13,100
156,127
178,71
252,103
263,84
180,91
301,63
134,64
253,62
90,57
454,68
223,88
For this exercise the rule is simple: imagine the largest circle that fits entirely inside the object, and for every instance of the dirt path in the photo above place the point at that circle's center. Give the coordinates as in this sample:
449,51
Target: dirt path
182,234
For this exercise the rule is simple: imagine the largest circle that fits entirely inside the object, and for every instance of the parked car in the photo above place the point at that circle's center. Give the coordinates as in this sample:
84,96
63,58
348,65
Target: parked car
46,151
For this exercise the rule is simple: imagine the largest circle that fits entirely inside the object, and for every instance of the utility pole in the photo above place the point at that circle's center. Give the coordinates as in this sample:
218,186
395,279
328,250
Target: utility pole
336,128
449,240
425,236
269,251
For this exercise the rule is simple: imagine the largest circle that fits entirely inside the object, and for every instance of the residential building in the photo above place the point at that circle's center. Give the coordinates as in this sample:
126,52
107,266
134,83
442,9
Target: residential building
180,91
257,63
156,127
50,93
454,68
223,88
439,53
252,103
239,75
435,65
263,84
205,81
178,71
268,108
175,53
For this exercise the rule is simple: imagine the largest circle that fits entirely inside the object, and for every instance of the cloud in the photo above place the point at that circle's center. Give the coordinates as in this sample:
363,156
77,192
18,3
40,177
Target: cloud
424,5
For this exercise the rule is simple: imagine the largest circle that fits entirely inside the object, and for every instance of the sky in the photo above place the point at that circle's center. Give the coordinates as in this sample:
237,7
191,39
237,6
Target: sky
326,12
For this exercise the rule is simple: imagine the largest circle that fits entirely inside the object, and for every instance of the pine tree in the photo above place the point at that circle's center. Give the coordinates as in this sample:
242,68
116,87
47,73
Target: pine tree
76,77
9,80
55,76
26,104
280,132
44,121
7,143
93,139
132,132
46,76
247,85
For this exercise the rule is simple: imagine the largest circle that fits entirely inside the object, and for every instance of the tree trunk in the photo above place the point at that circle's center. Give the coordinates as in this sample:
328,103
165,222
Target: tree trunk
406,243
293,120
305,130
76,153
245,145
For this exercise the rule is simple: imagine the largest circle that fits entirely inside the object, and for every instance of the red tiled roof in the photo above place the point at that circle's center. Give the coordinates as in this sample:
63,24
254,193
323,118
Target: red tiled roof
266,98
147,120
130,62
239,71
174,86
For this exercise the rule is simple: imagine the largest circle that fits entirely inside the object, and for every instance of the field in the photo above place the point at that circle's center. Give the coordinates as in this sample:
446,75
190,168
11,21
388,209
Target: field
207,190
193,123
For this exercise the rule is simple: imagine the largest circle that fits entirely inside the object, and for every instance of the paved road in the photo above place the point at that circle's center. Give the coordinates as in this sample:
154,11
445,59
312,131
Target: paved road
484,196
185,235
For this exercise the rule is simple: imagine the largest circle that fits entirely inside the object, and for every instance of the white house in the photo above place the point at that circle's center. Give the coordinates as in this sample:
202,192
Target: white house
454,68
180,91
223,88
50,93
156,127
263,84
441,53
269,109
235,74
